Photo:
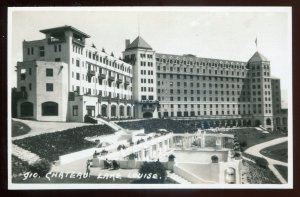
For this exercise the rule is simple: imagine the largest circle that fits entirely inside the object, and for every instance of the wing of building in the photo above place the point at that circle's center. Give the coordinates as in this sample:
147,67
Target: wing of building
63,79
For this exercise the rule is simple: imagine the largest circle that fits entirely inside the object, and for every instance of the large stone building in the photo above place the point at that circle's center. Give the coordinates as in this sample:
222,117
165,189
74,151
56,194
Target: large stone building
63,79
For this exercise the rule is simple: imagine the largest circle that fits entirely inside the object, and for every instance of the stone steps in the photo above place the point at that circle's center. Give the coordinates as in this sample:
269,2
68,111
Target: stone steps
24,155
178,178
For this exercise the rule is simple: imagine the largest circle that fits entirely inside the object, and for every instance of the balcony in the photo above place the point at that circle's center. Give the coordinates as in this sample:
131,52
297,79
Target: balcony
102,76
119,80
91,73
21,95
79,42
148,102
111,78
148,109
127,82
53,40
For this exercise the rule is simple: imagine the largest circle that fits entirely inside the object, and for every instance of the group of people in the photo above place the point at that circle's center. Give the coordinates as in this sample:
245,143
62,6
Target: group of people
111,164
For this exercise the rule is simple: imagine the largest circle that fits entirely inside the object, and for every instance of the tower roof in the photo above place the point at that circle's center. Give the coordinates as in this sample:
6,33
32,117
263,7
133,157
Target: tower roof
65,28
139,43
258,57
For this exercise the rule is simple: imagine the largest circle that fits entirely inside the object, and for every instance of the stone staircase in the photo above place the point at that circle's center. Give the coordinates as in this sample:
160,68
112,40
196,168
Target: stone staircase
24,155
178,178
109,123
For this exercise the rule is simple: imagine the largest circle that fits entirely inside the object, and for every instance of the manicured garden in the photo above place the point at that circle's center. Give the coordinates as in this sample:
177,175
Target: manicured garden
277,152
52,145
19,128
283,170
153,125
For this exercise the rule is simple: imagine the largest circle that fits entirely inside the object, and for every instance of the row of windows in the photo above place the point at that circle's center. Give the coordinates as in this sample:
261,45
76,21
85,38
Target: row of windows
201,63
144,89
143,55
150,64
192,113
216,72
91,91
150,81
171,91
210,78
106,61
144,72
243,99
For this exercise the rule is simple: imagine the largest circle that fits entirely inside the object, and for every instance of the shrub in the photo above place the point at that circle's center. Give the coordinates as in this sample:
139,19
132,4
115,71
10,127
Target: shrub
41,167
171,157
214,159
262,162
243,143
132,156
152,172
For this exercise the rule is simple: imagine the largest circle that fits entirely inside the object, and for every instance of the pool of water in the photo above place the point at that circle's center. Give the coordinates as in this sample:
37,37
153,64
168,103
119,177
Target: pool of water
197,156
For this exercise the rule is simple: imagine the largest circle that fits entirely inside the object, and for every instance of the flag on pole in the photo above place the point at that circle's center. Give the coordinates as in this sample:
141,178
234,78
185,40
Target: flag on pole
256,42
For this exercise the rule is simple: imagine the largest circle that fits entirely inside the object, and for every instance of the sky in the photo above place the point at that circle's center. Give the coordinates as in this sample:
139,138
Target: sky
216,32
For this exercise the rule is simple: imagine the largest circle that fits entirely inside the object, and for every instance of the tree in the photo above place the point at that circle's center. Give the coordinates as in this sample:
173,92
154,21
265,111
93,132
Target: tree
41,167
171,157
214,159
152,172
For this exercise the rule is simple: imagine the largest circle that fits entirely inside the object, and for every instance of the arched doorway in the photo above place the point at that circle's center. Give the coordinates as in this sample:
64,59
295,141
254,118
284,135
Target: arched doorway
49,108
104,110
27,109
147,115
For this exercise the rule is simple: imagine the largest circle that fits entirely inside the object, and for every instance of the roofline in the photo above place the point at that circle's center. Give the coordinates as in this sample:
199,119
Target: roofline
66,28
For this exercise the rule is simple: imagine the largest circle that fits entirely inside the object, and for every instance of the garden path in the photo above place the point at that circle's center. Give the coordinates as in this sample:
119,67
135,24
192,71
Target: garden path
38,127
255,150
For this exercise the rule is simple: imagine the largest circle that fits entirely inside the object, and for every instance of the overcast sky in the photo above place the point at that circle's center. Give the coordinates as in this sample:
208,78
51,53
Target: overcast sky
221,33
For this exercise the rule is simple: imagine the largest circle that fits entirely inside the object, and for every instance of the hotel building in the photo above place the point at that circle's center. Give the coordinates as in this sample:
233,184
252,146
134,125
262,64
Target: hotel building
61,78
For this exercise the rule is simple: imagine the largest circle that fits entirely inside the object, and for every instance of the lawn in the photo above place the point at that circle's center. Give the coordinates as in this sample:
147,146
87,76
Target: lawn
19,128
283,170
252,137
52,145
278,152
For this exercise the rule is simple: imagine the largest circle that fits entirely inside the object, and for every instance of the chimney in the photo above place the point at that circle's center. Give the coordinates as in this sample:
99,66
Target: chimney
127,43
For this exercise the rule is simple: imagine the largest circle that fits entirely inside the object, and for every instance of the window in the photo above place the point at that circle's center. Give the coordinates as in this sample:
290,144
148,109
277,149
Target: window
77,63
75,110
49,72
42,51
57,60
49,87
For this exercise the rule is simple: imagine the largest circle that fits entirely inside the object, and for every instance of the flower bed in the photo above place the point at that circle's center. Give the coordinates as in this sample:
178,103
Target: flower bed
153,125
52,145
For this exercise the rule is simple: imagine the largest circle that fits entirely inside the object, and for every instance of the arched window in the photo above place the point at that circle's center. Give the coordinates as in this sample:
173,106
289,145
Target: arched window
113,110
50,109
268,121
121,110
104,110
27,109
128,111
